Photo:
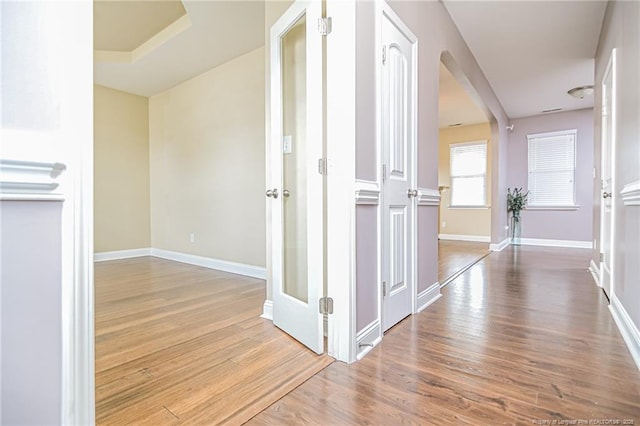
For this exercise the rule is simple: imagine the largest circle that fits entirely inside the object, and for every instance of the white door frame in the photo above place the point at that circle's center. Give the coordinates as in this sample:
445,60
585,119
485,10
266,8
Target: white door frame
340,182
382,10
610,69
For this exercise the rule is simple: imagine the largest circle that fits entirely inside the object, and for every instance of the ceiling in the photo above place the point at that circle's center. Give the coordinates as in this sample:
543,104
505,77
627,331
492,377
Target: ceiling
532,52
455,106
124,25
211,33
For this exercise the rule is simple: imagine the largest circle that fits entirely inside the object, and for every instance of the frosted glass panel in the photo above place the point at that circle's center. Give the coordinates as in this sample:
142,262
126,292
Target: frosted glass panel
294,167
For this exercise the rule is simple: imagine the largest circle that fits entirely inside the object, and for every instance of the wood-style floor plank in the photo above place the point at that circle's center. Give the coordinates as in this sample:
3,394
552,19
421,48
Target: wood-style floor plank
179,344
523,336
455,256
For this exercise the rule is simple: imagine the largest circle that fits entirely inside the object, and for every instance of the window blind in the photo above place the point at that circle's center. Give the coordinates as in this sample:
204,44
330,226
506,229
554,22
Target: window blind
468,173
552,160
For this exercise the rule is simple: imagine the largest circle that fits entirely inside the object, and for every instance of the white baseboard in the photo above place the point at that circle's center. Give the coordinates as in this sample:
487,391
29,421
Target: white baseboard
456,237
500,246
267,310
627,328
368,338
595,272
121,254
556,243
428,296
207,262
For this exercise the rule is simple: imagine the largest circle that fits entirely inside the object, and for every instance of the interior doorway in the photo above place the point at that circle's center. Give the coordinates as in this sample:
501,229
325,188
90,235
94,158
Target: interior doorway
464,175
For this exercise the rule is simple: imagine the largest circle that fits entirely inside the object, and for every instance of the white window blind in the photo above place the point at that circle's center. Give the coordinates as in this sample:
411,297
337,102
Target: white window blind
552,162
468,174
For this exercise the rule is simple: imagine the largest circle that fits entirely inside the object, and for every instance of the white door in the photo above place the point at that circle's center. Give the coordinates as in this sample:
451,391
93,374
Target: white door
606,206
398,143
295,186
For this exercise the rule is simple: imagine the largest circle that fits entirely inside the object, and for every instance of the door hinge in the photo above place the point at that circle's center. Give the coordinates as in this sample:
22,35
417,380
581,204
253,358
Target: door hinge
326,305
384,54
384,289
601,257
384,172
324,26
323,166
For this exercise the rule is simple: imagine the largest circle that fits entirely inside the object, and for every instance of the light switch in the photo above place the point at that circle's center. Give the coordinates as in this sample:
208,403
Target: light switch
286,144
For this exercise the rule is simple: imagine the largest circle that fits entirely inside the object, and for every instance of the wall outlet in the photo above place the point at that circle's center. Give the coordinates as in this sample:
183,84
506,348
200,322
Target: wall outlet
506,227
444,224
192,237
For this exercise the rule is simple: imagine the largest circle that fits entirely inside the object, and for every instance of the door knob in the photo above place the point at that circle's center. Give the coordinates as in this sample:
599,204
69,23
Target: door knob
606,195
286,193
412,193
272,193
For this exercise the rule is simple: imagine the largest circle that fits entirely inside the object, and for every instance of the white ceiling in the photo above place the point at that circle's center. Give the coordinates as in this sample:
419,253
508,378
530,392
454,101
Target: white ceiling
219,32
532,52
455,106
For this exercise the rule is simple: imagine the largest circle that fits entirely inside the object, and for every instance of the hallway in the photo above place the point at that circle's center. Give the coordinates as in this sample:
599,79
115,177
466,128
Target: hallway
522,337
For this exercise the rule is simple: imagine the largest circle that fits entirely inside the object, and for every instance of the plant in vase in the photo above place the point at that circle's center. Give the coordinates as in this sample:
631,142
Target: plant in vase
516,202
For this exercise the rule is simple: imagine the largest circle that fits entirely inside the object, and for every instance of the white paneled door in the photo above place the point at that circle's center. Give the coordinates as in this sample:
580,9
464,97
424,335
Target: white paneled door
295,186
608,144
398,135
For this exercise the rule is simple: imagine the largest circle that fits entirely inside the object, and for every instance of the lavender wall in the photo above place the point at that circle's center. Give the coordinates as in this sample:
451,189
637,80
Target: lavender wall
621,30
367,287
575,225
30,279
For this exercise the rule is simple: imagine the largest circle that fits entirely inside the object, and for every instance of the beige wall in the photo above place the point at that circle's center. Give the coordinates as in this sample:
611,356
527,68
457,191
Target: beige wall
461,221
121,171
207,159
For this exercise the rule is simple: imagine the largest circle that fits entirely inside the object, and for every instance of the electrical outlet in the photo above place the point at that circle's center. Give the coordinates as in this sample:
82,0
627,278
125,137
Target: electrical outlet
192,237
444,224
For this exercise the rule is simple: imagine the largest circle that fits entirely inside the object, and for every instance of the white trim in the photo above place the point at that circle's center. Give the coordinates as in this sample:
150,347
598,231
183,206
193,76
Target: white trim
627,328
367,193
121,254
556,243
500,246
267,310
428,296
428,197
595,272
631,194
208,262
561,208
368,338
456,237
30,180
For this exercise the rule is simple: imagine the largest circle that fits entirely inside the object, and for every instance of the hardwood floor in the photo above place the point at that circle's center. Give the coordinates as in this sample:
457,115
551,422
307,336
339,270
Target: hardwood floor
523,337
179,344
455,256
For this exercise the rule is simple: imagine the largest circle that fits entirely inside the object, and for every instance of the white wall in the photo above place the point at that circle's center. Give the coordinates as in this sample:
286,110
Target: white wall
207,162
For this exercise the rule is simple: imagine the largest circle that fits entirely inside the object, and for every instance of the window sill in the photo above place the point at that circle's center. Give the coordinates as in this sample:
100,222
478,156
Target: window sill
468,207
569,208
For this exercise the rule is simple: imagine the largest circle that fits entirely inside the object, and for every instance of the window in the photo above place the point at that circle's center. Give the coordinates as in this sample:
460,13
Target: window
552,161
468,174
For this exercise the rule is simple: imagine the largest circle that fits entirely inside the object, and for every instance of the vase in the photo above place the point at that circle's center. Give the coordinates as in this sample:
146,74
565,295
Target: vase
516,230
